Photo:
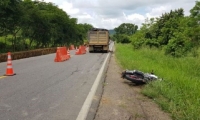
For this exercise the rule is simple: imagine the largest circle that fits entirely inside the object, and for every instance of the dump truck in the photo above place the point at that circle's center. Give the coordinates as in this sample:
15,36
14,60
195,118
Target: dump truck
98,39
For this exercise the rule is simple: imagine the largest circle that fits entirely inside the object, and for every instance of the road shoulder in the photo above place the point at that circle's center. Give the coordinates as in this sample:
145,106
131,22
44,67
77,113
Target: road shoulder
122,100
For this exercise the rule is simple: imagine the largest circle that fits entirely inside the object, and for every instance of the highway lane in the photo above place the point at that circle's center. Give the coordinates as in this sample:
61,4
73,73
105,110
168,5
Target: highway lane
47,90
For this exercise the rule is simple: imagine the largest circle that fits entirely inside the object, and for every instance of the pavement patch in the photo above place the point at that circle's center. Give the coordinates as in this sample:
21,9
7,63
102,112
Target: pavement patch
2,77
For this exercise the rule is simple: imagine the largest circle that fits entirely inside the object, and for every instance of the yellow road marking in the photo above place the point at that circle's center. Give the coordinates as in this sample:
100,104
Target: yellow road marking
2,77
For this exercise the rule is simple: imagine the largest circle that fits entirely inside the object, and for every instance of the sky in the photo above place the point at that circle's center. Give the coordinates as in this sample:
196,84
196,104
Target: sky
109,14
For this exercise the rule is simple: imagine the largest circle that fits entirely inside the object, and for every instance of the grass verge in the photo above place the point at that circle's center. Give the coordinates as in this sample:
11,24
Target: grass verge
179,92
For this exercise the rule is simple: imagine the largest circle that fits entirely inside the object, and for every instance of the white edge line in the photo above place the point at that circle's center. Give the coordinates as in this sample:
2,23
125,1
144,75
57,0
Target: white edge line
88,101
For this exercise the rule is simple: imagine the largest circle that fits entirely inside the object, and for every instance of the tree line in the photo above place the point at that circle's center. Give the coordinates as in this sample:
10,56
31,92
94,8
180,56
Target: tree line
27,24
176,34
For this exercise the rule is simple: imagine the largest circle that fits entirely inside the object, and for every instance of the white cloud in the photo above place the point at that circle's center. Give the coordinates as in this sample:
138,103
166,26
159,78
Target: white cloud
110,14
157,11
135,17
68,7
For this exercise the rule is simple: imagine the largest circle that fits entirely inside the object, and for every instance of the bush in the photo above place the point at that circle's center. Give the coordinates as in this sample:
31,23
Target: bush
178,46
122,38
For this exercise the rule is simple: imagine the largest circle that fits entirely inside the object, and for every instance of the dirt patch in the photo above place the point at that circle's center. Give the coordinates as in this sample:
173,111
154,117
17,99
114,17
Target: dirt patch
122,100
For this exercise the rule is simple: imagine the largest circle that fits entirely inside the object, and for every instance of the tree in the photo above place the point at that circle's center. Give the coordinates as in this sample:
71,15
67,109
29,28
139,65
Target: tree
171,31
126,28
123,32
46,24
37,24
195,23
11,14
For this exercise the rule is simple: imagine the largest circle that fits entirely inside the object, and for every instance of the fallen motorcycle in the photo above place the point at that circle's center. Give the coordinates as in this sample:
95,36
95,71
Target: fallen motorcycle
138,77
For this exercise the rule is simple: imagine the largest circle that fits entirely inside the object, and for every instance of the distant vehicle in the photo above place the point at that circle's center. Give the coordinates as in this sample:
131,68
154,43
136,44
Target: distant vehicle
98,39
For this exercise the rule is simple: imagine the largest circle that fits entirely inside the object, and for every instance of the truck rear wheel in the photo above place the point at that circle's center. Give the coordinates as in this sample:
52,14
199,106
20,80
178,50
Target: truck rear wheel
106,51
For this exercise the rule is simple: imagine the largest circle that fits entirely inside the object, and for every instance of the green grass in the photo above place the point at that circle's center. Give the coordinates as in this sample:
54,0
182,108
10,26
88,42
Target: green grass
6,44
179,91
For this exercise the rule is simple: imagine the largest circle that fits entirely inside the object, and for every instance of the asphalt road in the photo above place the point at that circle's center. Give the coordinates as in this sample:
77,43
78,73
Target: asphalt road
46,90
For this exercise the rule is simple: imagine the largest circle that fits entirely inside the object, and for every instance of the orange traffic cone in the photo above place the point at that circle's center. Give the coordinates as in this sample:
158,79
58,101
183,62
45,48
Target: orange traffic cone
71,47
58,57
61,54
68,53
78,52
9,70
83,49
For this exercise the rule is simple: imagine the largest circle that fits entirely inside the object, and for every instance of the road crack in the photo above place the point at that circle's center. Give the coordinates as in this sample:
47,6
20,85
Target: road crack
75,71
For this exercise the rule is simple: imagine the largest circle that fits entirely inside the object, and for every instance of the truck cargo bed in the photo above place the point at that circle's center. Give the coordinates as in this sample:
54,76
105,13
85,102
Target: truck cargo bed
98,40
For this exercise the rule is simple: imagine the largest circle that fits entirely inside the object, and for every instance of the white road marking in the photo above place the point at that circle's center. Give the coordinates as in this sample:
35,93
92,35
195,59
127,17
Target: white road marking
86,106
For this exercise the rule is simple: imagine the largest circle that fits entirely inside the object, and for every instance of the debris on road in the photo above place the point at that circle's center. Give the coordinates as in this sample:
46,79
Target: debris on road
138,77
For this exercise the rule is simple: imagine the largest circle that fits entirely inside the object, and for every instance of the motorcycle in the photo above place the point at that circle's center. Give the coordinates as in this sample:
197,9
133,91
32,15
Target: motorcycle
138,77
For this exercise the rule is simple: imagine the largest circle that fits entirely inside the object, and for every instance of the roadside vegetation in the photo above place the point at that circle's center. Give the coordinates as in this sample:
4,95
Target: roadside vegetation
178,92
168,45
173,32
27,24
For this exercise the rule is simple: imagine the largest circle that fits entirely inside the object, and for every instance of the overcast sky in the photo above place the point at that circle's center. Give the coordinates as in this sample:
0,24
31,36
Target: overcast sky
111,13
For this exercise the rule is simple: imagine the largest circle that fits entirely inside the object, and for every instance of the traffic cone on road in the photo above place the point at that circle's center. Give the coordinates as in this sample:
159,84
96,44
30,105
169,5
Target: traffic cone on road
71,47
78,51
68,53
9,69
